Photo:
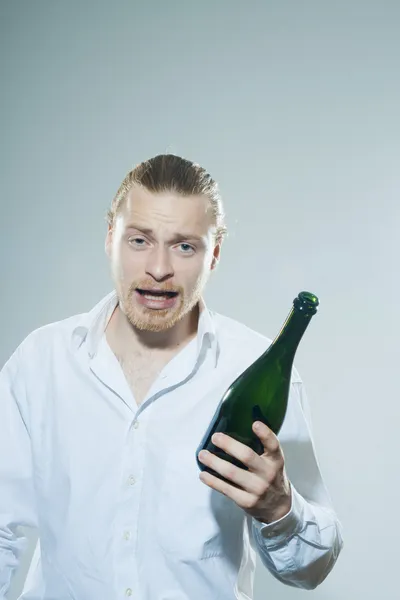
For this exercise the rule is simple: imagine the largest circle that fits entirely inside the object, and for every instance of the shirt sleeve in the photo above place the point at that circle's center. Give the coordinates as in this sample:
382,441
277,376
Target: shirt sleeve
17,500
301,548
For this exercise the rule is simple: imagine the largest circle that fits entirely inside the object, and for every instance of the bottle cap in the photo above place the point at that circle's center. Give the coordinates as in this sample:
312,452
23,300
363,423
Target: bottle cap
307,303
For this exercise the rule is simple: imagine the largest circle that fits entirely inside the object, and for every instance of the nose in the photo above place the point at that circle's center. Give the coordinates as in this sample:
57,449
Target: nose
159,265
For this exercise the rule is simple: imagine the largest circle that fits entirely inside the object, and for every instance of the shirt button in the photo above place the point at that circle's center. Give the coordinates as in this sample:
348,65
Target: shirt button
270,534
131,480
136,424
128,592
127,535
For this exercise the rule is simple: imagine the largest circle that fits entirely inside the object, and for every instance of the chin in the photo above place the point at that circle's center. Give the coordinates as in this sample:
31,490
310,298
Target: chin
152,322
154,327
146,319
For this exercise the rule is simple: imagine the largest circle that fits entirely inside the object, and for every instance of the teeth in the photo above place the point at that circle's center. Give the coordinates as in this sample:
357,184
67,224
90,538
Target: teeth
155,297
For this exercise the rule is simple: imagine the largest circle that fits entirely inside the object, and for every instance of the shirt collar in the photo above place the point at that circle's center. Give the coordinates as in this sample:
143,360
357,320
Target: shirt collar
92,325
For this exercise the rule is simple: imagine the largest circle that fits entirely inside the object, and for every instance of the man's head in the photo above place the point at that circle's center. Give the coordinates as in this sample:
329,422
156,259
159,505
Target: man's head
165,230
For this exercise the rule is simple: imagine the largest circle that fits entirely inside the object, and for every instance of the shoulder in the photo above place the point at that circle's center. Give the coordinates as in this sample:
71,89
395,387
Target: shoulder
46,338
234,336
230,330
40,348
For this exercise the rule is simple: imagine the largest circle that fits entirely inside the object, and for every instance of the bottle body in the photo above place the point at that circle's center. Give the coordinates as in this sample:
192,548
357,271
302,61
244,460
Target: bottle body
261,392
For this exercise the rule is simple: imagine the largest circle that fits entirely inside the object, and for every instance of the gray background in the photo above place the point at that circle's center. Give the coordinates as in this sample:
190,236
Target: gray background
294,108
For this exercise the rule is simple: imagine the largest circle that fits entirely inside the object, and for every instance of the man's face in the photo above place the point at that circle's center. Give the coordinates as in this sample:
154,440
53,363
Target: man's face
161,243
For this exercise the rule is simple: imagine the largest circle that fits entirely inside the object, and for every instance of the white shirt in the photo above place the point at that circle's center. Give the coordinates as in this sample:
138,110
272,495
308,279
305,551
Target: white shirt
114,490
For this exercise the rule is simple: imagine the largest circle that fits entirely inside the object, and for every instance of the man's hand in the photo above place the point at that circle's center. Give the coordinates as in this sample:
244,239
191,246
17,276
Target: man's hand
264,490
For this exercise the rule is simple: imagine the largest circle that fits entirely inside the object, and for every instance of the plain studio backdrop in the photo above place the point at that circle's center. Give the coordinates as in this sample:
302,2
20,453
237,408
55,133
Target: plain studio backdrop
294,108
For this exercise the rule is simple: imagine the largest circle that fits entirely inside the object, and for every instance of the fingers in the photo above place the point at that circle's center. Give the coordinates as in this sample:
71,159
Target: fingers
244,487
268,438
247,479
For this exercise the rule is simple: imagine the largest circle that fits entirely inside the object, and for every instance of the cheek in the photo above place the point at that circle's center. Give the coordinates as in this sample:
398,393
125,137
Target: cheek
122,262
195,273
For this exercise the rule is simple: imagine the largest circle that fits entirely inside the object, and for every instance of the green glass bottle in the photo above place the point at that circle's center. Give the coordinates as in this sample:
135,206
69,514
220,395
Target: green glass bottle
261,392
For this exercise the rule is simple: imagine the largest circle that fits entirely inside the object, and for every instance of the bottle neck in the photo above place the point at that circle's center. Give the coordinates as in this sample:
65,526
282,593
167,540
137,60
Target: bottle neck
287,340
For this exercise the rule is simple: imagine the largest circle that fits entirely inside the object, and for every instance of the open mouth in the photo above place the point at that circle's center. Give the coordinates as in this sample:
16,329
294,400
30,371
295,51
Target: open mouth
156,293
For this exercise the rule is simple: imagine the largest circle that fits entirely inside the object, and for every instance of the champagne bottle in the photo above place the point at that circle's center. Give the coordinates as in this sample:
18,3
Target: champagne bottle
261,392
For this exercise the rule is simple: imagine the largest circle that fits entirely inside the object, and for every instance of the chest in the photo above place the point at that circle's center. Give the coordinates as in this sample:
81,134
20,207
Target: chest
141,373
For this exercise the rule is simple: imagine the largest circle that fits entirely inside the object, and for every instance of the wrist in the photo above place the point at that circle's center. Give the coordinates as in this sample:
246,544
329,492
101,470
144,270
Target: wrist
278,512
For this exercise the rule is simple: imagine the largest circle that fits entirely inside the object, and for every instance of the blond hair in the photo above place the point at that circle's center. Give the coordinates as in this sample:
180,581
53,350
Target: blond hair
167,172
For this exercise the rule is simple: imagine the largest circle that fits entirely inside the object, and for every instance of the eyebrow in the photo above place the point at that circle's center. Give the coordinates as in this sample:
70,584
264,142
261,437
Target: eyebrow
175,238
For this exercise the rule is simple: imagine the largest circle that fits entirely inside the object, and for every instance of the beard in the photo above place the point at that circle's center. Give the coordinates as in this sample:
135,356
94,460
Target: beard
158,320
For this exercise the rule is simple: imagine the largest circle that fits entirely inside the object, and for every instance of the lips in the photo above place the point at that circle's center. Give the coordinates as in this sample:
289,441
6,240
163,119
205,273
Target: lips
156,299
157,292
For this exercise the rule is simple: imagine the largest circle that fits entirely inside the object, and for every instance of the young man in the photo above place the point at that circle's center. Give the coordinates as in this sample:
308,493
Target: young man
101,415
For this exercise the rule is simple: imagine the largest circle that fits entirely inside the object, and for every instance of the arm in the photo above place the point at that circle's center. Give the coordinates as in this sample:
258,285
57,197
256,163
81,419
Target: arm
301,548
17,500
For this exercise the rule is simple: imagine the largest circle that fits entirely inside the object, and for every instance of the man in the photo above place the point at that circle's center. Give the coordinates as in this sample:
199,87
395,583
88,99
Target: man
101,415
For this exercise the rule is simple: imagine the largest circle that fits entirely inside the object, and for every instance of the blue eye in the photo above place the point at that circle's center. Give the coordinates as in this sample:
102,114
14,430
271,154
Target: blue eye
135,241
187,248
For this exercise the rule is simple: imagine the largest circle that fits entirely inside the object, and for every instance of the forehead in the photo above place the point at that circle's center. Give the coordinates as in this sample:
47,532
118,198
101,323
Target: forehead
167,210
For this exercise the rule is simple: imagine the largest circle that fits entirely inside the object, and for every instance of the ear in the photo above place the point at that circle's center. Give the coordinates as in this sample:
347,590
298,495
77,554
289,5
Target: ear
108,241
216,255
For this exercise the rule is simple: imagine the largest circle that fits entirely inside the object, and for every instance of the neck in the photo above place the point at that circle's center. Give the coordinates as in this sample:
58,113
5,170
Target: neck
127,339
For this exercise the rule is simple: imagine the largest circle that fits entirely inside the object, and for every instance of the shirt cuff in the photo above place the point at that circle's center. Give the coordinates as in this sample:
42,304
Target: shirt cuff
278,532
